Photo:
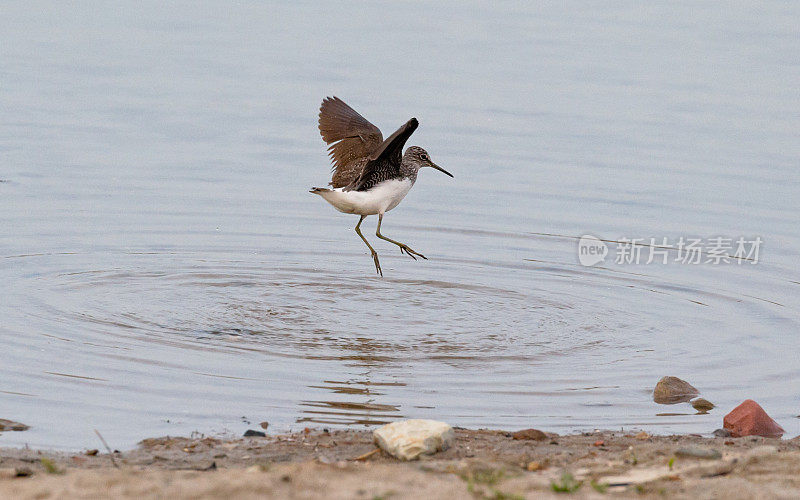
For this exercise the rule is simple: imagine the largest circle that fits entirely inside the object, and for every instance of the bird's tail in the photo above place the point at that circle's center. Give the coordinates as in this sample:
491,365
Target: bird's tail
317,190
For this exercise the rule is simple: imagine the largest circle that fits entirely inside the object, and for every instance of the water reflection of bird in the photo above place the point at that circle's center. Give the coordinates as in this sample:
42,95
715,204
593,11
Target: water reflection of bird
370,175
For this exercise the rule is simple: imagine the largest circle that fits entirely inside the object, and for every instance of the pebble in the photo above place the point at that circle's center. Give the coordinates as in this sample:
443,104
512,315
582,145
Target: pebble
698,452
264,425
529,434
722,433
10,425
23,472
671,390
252,433
534,466
702,405
408,439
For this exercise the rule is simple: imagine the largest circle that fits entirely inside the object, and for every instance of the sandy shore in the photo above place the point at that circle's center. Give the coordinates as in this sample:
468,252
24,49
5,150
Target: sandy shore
482,464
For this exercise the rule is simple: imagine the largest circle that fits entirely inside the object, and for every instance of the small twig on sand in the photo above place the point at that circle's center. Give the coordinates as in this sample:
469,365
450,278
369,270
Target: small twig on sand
110,453
367,454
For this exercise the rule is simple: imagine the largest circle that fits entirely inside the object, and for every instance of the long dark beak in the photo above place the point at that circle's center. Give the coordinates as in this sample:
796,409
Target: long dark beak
440,169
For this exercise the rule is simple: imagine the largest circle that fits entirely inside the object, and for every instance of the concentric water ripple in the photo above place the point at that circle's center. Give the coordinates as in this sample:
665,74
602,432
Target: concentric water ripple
553,344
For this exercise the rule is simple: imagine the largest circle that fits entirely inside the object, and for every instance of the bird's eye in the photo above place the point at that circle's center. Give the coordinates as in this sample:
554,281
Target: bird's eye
424,157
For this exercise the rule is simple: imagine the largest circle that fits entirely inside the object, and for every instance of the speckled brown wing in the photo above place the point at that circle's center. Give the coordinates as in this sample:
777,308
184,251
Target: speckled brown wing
346,174
352,139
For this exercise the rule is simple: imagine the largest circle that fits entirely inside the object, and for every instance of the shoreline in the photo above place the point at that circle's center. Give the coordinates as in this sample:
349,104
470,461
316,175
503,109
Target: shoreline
482,463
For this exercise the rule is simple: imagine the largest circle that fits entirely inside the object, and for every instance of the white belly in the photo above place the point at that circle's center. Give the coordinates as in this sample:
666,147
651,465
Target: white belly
379,199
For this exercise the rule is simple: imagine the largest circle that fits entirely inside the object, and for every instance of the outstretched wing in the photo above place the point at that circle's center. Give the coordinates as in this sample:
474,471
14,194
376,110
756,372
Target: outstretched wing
350,135
384,162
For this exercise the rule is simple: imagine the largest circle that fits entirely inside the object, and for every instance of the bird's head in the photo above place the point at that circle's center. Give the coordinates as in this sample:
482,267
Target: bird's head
417,157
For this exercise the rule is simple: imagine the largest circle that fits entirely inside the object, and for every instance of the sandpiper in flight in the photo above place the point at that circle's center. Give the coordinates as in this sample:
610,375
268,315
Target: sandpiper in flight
370,176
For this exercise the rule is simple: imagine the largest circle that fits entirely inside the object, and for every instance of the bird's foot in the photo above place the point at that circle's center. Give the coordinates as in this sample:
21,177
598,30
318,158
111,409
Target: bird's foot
411,252
377,263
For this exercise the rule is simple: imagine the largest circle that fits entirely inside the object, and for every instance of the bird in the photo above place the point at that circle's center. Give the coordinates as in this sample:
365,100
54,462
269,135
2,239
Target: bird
370,175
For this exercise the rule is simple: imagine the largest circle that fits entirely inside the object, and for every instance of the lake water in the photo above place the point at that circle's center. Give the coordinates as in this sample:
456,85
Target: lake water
164,269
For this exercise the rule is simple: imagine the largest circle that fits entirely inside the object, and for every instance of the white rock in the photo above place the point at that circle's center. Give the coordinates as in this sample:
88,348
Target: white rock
408,439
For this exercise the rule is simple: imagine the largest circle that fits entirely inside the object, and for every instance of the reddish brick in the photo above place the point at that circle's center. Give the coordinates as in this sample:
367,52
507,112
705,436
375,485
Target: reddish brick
749,419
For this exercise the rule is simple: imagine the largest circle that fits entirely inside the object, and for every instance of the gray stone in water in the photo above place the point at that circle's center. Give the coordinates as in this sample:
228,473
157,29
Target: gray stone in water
722,433
252,433
671,390
697,452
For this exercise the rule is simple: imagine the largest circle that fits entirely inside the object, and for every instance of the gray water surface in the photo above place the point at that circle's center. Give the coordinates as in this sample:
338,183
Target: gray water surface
164,269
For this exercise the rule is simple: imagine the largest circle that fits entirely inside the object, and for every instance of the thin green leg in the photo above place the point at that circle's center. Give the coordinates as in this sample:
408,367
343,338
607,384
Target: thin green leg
403,247
372,250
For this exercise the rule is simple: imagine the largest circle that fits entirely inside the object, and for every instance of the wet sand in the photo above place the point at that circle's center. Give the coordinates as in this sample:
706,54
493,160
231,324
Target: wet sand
482,464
